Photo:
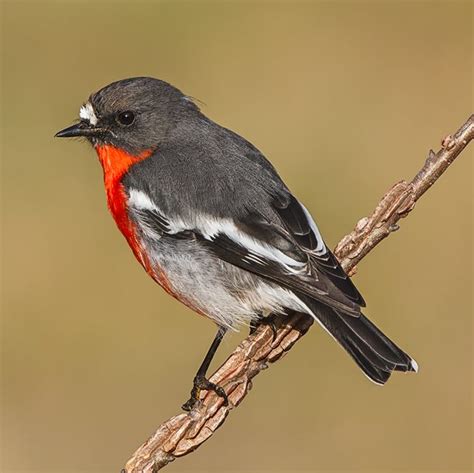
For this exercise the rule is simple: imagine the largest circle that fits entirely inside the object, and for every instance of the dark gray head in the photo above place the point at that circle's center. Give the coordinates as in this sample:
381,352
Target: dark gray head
132,114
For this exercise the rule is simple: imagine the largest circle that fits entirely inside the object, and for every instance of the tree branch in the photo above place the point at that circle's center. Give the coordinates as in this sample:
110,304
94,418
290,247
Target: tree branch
185,432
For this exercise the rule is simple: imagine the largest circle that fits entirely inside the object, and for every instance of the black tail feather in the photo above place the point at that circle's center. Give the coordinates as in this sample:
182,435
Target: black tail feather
375,353
375,374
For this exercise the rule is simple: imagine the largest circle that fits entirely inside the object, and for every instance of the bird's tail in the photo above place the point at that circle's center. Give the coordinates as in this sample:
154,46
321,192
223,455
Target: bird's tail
374,352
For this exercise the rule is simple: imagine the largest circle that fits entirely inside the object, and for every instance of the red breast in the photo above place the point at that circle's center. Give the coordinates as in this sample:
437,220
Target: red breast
115,163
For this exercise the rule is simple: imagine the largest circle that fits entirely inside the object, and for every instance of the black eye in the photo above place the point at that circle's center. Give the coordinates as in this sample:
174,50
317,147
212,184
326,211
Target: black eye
125,118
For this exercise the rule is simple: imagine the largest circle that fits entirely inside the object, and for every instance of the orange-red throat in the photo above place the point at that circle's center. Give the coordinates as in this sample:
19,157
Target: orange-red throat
115,163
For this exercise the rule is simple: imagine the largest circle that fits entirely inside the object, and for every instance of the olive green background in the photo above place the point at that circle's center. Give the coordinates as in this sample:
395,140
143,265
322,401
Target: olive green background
345,98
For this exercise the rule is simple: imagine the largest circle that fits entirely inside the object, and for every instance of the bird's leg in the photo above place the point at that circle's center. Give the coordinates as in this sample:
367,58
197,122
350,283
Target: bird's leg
200,381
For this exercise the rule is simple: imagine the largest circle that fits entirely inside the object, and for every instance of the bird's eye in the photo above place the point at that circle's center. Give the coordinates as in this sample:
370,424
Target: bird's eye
125,118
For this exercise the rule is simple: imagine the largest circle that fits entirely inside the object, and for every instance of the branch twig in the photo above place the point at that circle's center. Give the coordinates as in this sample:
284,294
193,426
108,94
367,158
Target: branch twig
185,432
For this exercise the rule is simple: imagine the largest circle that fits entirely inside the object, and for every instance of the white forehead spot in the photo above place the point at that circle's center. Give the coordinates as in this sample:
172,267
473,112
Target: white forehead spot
87,113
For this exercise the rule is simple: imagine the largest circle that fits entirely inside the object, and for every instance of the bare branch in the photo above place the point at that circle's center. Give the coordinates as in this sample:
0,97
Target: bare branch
185,432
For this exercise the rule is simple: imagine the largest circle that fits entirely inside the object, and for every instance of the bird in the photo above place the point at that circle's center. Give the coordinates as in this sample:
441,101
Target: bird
212,222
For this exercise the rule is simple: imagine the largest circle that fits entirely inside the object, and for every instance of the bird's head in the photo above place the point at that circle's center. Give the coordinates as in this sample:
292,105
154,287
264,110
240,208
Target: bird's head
133,115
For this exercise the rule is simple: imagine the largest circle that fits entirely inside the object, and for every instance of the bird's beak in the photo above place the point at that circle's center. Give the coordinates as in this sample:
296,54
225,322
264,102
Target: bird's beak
80,129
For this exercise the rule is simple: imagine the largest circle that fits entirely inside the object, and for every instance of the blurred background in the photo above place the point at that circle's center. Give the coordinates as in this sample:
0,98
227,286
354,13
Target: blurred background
345,98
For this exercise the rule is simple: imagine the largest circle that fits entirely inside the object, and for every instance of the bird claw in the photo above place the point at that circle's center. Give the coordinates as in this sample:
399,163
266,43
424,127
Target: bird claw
201,383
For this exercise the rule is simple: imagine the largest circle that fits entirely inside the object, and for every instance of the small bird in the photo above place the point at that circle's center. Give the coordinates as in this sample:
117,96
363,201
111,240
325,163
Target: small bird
212,222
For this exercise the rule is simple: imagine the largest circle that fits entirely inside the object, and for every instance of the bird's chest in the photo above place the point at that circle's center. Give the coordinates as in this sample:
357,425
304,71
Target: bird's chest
118,203
115,163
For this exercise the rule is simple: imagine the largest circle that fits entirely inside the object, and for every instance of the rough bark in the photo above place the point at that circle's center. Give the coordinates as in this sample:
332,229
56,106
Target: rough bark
185,432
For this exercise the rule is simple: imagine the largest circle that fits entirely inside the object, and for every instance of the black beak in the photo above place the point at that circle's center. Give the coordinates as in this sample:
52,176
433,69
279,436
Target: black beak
80,129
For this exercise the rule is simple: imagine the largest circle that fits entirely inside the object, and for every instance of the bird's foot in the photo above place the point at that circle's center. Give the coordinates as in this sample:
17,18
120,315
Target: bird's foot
200,383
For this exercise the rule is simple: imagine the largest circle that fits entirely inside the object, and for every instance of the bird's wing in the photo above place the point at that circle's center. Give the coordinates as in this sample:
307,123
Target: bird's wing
288,250
301,226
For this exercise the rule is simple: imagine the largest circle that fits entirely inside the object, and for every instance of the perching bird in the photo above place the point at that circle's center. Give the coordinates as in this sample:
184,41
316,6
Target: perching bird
211,221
